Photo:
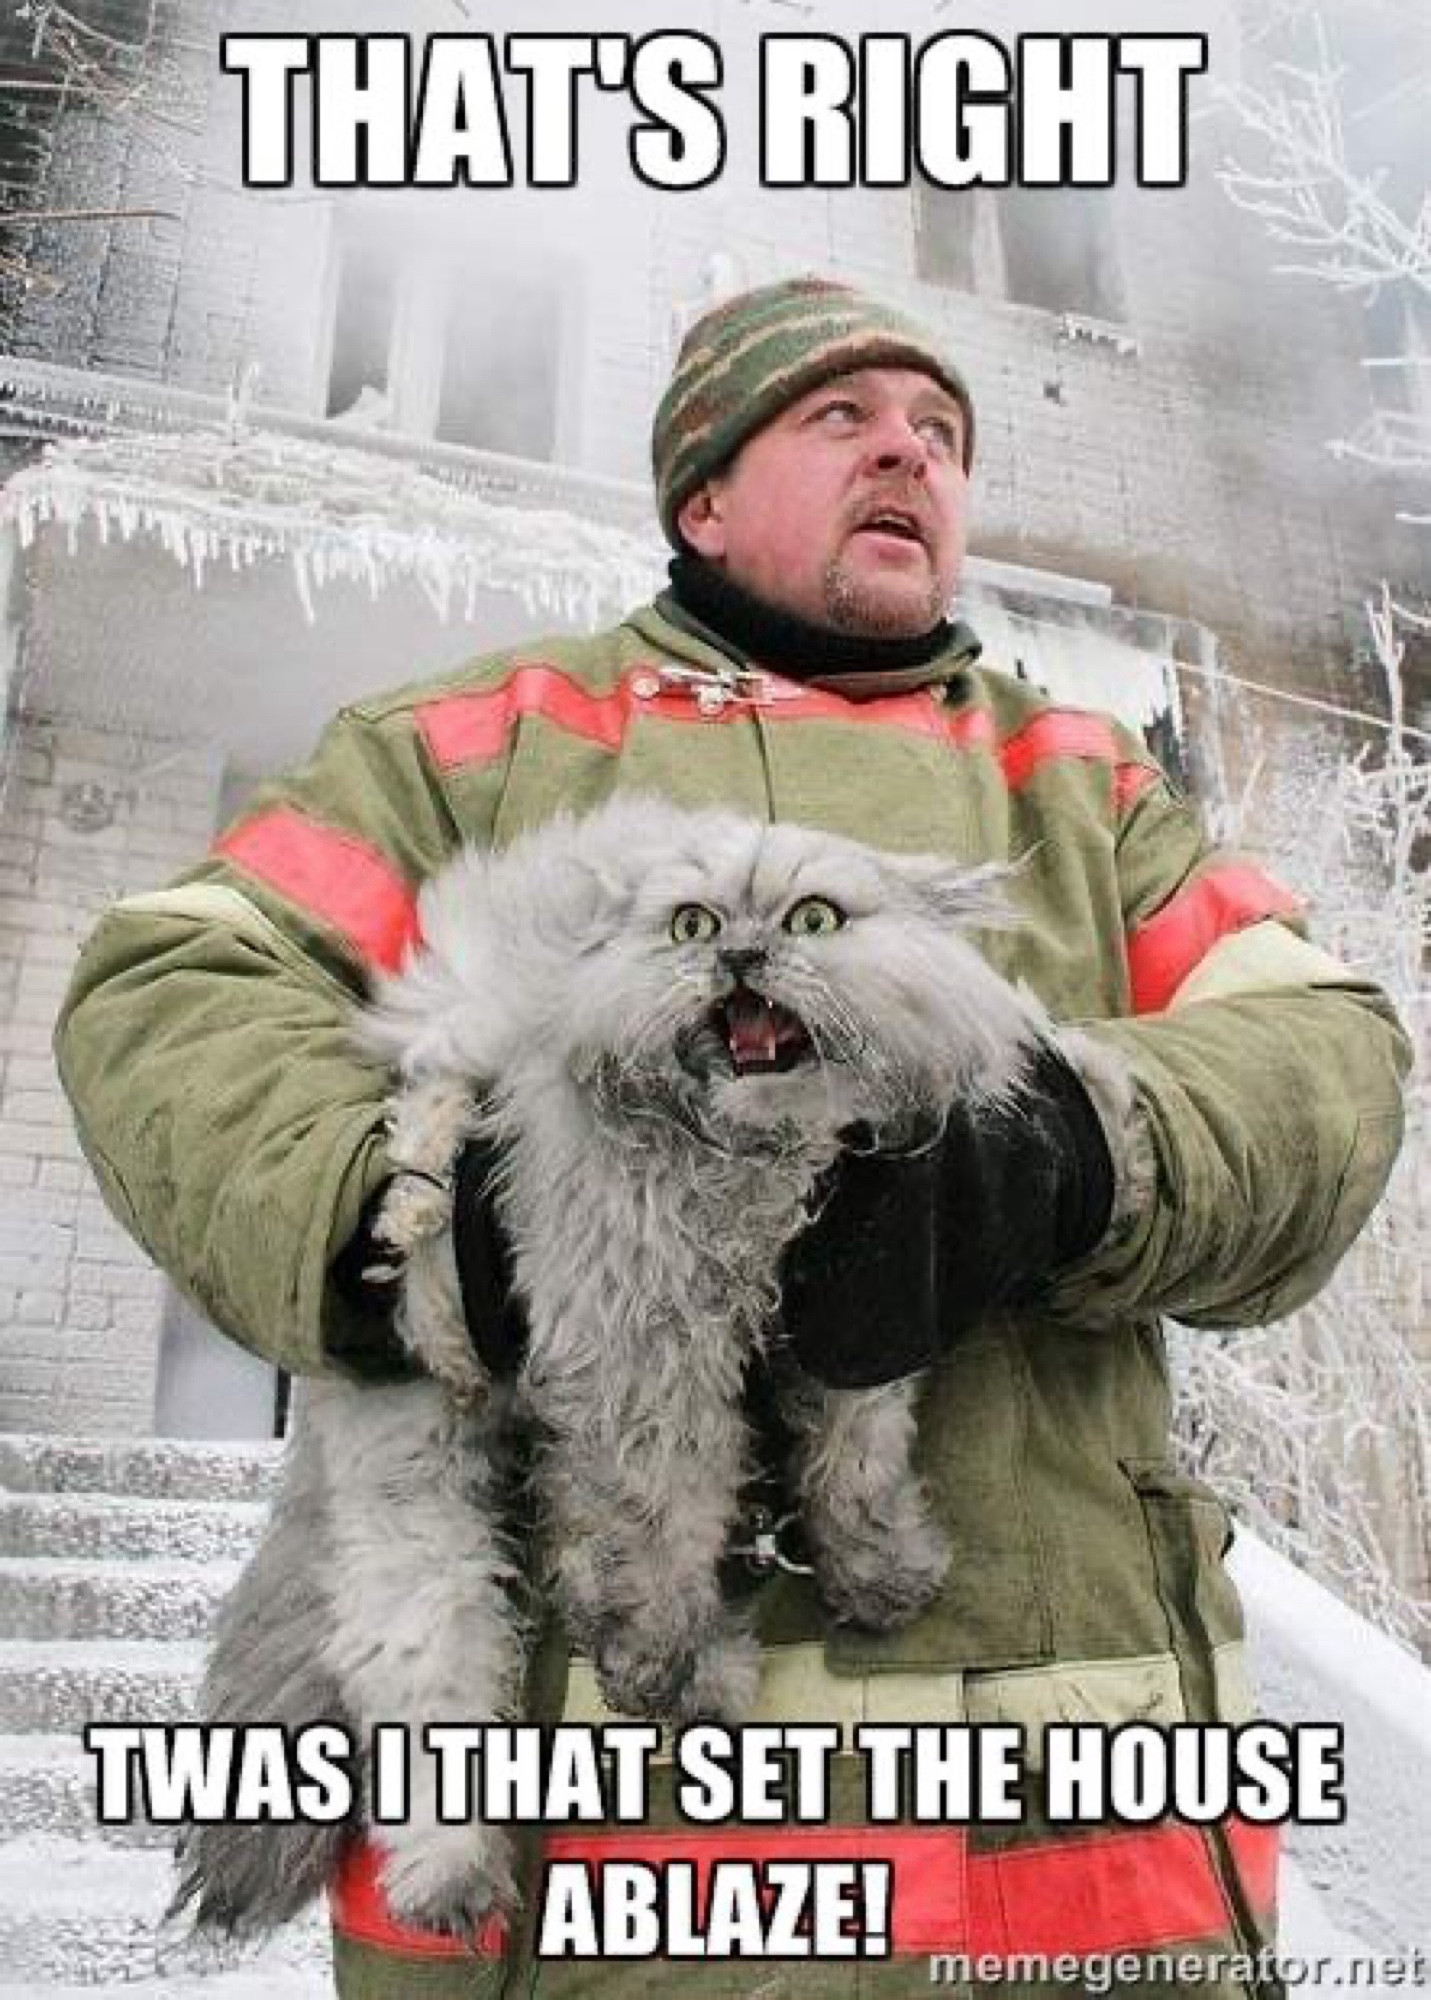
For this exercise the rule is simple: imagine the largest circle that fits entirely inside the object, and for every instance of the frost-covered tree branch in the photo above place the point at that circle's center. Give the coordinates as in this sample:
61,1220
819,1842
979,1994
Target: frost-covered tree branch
1319,1430
1345,221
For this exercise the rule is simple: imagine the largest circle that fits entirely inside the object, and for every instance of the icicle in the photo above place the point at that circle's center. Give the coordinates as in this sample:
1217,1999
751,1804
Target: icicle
336,513
300,577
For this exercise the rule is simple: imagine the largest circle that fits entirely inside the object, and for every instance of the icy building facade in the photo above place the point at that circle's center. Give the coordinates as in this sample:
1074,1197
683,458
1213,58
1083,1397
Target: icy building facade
305,444
264,453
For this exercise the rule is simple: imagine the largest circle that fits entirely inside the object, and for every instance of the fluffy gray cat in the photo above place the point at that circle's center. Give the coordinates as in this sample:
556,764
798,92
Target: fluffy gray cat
664,1020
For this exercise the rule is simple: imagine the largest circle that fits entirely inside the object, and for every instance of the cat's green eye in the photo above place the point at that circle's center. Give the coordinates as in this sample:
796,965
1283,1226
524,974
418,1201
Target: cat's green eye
693,923
813,916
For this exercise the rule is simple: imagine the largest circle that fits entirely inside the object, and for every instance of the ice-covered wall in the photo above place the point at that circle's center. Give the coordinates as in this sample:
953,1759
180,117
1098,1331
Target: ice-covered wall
86,815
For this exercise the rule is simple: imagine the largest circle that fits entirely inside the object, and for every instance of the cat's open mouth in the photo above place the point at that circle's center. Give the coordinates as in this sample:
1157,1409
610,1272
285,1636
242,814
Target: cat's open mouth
760,1034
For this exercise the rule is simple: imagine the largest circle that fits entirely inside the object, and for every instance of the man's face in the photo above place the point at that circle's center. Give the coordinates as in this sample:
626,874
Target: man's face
848,508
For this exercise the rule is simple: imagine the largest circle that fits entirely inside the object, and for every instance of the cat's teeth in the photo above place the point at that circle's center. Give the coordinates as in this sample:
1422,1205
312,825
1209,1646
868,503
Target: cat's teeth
751,1031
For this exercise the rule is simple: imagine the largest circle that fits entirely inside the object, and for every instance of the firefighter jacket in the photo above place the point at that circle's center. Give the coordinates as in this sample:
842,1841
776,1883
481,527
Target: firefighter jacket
205,1046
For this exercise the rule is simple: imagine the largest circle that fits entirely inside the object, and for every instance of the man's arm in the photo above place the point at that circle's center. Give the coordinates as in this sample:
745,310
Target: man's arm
1268,1108
205,1044
1212,1157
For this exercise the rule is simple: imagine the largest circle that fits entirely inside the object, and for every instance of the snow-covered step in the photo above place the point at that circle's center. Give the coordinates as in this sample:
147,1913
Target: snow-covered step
121,1526
50,1597
47,1786
152,1468
258,1979
90,1916
60,1685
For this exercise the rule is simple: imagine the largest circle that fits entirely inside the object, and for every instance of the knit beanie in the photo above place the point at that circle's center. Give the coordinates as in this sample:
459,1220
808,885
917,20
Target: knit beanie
751,356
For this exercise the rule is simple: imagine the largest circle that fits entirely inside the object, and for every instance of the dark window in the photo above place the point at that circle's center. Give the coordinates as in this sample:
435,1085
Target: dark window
428,342
363,322
944,230
1058,250
499,370
1047,247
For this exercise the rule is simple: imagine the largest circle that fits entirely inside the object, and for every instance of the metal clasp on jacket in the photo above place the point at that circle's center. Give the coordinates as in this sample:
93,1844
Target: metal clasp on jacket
764,1551
714,688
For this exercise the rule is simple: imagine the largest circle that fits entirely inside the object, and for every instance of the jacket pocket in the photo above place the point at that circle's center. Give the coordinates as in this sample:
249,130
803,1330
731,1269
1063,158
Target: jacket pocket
996,1607
1189,1533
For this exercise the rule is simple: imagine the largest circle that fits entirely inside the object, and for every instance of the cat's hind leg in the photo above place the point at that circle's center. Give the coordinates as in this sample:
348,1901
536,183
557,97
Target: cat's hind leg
425,1622
640,1504
879,1556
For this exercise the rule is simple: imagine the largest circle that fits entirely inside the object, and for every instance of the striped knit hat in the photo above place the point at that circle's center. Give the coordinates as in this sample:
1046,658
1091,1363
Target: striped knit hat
753,355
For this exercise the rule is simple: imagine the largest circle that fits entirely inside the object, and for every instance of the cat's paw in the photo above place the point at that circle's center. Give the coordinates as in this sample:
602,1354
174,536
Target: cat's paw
413,1210
711,1677
881,1584
451,1880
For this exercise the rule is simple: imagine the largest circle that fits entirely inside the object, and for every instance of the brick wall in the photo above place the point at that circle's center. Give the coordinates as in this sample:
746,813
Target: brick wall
79,1303
218,282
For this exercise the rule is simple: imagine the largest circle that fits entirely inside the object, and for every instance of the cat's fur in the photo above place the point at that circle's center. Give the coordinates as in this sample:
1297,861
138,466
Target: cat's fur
648,1191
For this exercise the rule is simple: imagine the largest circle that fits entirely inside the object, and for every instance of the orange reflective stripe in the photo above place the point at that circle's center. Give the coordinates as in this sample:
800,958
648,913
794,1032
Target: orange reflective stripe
472,728
330,875
927,1881
1104,1892
1059,732
475,727
971,728
1107,1892
1255,1849
359,1909
1130,781
1164,950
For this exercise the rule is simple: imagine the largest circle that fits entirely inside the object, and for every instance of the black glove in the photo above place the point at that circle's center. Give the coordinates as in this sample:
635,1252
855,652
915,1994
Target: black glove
368,1275
496,1317
908,1249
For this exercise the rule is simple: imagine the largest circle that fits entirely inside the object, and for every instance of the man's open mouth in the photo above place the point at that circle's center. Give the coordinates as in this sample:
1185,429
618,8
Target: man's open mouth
896,521
759,1034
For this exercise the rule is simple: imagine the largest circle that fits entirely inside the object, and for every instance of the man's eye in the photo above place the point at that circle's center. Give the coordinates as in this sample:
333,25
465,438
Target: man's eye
942,433
841,411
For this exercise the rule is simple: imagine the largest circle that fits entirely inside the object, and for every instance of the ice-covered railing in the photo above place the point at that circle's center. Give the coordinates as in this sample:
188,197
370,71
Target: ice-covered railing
1314,1659
240,496
39,399
214,487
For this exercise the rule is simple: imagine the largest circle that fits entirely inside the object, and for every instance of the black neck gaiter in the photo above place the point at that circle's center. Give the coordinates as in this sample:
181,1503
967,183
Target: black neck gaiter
752,630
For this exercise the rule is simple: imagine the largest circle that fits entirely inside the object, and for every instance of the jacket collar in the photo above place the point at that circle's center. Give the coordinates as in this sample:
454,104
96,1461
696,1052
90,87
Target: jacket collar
667,624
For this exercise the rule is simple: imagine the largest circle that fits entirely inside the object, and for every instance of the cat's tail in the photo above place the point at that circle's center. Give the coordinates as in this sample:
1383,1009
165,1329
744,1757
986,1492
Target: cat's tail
242,1880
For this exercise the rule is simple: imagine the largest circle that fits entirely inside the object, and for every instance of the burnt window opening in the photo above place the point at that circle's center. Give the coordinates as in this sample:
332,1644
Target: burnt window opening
1053,248
1058,251
500,367
425,344
945,223
362,327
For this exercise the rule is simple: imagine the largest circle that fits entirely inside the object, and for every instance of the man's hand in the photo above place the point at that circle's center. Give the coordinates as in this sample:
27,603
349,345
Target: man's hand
908,1249
370,1274
496,1319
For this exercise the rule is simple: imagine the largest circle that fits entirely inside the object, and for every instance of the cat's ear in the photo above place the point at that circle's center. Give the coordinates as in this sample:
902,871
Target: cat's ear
979,898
